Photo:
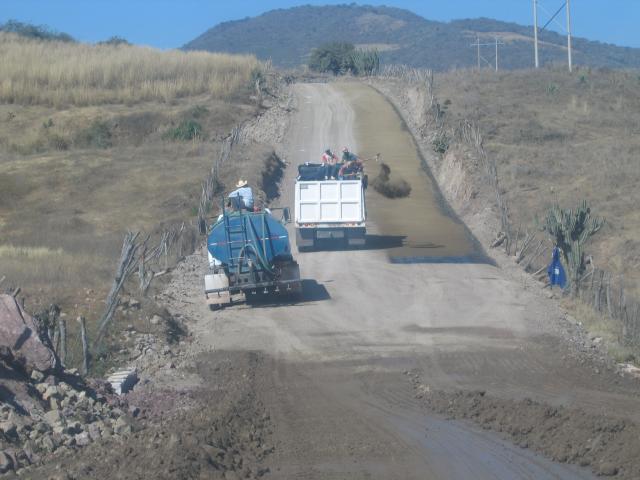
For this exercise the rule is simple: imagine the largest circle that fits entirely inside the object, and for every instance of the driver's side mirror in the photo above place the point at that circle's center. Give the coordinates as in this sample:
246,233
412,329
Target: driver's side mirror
286,218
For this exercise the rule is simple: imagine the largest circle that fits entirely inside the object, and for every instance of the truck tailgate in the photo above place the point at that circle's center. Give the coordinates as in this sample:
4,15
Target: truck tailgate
329,201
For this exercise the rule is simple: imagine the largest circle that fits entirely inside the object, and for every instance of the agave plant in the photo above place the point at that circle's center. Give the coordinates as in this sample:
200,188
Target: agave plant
570,229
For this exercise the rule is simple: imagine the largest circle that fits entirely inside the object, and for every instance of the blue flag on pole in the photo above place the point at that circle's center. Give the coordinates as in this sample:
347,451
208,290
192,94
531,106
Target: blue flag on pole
556,273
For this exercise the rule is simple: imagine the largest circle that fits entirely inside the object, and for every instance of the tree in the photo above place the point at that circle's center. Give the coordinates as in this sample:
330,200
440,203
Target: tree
570,230
40,32
341,57
115,40
334,57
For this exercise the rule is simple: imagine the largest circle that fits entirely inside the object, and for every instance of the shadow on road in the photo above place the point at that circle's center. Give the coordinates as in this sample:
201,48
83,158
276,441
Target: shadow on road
312,291
373,242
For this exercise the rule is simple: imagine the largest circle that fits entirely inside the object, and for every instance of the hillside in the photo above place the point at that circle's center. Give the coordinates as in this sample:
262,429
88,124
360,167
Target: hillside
96,140
287,36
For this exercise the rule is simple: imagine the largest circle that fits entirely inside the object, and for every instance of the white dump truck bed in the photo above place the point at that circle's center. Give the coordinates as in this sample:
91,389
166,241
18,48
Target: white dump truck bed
330,209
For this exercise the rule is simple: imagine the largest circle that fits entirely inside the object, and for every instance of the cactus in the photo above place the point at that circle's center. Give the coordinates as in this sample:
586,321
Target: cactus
570,230
365,62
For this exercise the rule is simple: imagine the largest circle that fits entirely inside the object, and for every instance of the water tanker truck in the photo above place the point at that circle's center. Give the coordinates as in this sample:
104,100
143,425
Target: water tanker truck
250,255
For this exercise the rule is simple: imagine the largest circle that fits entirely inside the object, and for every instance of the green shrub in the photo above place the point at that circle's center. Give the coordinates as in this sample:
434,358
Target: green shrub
341,57
186,130
115,40
40,32
199,111
334,57
58,142
97,135
440,143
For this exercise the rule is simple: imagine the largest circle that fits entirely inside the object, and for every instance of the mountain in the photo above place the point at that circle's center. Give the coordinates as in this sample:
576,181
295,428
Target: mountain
287,36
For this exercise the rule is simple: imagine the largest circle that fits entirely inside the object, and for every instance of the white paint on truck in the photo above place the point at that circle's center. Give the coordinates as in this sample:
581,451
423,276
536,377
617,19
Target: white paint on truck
330,209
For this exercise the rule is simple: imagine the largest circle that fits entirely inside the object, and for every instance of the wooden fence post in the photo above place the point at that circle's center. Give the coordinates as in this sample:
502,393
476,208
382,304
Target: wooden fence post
85,345
62,329
125,267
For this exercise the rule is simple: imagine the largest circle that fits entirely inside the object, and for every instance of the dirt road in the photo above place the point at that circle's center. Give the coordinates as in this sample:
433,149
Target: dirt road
336,375
363,378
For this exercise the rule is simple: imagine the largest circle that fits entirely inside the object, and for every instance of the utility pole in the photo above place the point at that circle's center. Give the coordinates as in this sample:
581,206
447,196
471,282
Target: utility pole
481,59
535,32
569,35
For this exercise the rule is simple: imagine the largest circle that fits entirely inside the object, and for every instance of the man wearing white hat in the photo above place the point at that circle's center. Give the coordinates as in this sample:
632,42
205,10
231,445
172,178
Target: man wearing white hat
242,196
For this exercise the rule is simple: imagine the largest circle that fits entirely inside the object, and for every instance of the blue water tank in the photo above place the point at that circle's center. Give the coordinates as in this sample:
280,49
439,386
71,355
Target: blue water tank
248,235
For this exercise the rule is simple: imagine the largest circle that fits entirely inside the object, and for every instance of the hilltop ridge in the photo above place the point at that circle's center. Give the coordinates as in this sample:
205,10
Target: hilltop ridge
287,36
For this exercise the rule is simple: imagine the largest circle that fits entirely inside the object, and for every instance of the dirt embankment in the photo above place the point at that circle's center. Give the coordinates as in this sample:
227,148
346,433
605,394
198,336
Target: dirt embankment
607,445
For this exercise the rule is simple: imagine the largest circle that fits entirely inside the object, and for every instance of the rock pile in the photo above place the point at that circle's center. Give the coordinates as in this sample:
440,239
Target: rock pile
45,409
64,414
65,417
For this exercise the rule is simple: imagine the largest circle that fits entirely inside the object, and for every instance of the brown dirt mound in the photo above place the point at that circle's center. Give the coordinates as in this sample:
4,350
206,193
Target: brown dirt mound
608,445
215,433
390,188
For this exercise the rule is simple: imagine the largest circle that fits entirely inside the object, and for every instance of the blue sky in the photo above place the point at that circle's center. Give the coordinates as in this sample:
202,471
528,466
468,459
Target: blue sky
170,24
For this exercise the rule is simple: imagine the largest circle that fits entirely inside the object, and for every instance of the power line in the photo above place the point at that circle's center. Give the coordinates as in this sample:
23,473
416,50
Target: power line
535,33
554,16
566,4
495,44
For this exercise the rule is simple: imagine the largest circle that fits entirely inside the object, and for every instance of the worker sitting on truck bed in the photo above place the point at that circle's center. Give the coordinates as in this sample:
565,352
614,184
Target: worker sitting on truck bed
242,196
329,162
351,165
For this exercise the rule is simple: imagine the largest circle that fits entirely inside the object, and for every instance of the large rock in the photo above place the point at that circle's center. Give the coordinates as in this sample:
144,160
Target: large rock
19,333
53,417
6,463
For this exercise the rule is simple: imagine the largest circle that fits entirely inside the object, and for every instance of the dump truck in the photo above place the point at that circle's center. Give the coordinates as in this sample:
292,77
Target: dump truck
250,256
328,208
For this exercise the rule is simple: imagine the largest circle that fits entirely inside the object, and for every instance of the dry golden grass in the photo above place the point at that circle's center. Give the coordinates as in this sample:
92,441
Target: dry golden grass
62,73
84,157
560,137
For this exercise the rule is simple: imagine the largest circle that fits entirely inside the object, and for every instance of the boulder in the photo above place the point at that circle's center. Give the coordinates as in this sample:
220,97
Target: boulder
51,391
6,463
122,427
53,417
9,428
94,430
82,439
18,332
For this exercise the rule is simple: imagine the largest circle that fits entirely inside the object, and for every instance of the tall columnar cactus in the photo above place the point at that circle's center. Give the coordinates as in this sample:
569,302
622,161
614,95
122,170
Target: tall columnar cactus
365,62
570,230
